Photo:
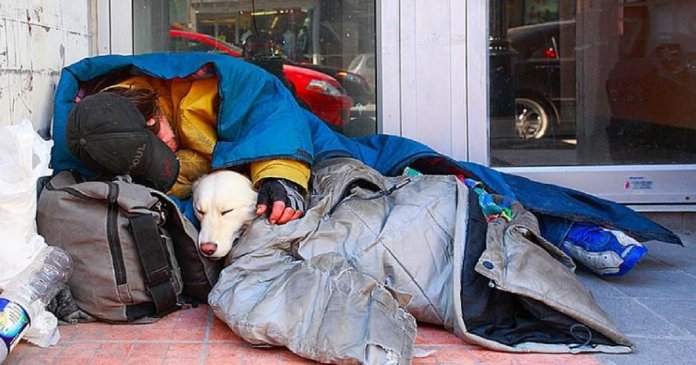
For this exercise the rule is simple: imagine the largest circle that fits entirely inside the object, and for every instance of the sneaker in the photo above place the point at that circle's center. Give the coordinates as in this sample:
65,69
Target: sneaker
603,251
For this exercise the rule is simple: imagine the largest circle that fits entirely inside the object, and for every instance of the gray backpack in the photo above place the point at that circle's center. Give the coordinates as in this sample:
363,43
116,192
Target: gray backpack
134,253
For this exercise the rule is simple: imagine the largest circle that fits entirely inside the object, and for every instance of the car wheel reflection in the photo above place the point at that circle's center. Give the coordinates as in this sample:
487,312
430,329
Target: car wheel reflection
532,120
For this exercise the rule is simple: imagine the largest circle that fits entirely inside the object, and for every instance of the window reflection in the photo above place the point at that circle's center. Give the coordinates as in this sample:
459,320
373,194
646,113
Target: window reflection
601,82
323,50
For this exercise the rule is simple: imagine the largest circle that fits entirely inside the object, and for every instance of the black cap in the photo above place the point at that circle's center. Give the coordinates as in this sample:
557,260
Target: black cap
107,132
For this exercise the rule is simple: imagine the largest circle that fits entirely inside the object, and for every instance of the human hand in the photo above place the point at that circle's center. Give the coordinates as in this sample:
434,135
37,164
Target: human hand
284,199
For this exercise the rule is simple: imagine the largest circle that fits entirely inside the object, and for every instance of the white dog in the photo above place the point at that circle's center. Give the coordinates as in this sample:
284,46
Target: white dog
225,203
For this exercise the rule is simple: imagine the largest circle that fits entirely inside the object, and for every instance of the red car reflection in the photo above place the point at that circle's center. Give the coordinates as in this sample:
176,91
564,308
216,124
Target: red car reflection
324,96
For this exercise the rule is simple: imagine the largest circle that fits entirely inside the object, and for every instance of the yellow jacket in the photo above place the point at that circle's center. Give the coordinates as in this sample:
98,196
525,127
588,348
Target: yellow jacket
190,106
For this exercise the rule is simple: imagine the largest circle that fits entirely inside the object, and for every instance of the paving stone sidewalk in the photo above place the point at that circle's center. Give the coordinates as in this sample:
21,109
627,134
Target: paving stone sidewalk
655,305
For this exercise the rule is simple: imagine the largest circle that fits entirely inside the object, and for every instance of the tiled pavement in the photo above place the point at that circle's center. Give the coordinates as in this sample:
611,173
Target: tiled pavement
655,305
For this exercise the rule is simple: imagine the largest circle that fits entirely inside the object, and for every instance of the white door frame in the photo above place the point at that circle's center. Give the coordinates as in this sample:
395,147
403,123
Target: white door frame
422,72
114,27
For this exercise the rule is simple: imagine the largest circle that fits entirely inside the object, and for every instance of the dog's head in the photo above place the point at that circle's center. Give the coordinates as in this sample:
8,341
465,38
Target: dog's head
225,203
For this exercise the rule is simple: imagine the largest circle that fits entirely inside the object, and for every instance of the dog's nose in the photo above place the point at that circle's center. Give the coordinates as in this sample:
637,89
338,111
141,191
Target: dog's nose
208,248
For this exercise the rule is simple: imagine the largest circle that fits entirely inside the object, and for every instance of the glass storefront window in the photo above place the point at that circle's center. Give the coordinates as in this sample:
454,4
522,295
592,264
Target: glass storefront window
600,82
323,50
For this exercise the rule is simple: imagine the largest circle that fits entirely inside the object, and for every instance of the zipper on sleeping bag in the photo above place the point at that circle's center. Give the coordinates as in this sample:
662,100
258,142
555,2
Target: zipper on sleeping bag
111,226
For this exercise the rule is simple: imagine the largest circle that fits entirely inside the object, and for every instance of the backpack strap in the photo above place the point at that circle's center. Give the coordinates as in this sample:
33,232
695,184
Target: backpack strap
199,274
154,260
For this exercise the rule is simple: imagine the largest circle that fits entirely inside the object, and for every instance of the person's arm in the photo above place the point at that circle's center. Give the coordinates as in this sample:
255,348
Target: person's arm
282,185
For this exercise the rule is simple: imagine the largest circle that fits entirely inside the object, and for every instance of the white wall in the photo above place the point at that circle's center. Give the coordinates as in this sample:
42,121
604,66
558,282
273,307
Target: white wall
37,39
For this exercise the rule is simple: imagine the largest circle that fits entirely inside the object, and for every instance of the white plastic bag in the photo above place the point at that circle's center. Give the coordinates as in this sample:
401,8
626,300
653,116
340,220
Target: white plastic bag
24,157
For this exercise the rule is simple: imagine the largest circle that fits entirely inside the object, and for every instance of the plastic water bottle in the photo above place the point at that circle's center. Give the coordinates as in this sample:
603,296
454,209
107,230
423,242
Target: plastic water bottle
31,290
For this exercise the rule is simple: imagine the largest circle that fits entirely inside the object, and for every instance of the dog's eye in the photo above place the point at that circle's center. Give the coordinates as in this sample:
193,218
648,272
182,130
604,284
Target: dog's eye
199,212
227,211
